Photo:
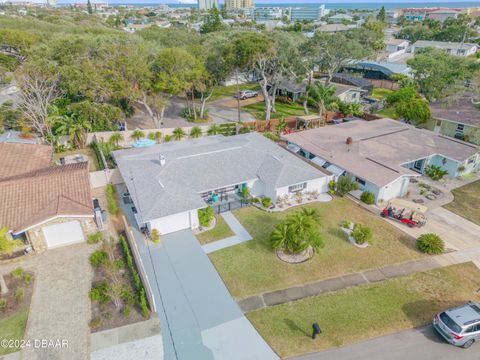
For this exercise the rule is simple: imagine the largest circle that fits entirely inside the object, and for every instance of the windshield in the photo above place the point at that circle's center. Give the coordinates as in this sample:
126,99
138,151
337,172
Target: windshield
447,320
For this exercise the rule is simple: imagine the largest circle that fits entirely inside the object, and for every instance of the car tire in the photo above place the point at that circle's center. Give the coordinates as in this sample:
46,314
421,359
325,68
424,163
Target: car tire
468,344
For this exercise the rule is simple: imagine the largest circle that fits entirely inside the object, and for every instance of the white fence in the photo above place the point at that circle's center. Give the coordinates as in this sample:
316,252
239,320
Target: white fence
127,139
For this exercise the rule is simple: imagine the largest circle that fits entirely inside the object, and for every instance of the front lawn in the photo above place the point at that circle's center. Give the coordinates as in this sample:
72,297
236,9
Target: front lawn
381,93
388,112
221,92
283,110
366,311
253,267
466,202
13,328
219,232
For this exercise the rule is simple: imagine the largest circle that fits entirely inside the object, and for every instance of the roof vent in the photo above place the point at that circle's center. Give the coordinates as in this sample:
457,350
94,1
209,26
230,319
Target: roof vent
162,160
349,141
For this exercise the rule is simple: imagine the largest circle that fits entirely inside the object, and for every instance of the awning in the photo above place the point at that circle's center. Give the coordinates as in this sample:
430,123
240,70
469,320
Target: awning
335,170
318,161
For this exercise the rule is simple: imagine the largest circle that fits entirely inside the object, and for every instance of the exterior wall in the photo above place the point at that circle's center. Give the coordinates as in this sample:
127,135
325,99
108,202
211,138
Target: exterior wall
38,241
320,185
257,187
350,96
446,164
471,133
398,188
175,222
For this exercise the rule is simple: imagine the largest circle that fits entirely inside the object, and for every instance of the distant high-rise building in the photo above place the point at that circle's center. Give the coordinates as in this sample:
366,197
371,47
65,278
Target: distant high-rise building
238,4
307,13
207,4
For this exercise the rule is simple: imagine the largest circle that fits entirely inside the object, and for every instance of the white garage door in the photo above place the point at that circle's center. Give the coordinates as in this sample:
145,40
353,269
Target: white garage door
63,234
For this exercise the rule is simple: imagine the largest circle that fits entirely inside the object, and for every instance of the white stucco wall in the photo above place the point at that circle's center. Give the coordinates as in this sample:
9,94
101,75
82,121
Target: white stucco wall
320,185
257,187
397,188
175,222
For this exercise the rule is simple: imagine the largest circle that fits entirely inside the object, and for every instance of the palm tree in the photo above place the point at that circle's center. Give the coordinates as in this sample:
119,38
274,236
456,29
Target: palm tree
313,213
195,132
323,96
115,138
168,138
137,134
76,128
178,133
156,136
213,130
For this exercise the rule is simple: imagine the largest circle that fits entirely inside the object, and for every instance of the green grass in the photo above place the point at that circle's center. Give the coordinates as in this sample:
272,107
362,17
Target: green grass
466,202
92,163
283,110
367,311
221,92
253,267
381,93
388,112
219,232
12,328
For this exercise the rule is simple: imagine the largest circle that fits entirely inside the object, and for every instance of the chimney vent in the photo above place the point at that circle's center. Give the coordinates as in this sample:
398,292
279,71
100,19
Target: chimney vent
162,160
349,141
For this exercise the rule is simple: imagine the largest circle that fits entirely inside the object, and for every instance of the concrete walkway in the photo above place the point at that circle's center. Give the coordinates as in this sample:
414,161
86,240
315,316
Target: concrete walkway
355,279
241,235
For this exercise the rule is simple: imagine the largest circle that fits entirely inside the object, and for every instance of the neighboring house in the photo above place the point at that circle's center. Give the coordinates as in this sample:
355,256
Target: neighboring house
396,45
443,14
453,48
340,18
458,118
382,155
47,205
335,28
296,90
12,136
378,70
170,182
436,13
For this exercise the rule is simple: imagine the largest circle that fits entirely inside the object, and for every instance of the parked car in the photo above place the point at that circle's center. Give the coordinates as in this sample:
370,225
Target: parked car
460,326
246,94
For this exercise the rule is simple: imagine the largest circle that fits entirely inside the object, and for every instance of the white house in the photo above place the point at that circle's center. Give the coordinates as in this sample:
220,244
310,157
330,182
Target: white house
453,48
382,155
170,182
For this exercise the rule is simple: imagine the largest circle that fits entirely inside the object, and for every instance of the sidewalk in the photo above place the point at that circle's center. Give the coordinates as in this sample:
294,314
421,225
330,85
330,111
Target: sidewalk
354,279
241,235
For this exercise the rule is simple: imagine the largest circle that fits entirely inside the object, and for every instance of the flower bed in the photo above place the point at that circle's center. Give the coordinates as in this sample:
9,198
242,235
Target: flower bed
348,228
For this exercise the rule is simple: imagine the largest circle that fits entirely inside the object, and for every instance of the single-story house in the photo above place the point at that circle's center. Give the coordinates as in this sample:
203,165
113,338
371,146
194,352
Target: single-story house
168,183
377,70
382,155
48,206
443,14
453,48
458,118
335,28
295,90
396,45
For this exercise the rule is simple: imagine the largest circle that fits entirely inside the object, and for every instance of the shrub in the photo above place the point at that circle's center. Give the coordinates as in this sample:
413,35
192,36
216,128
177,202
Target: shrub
143,304
345,184
27,278
3,305
435,172
245,192
94,238
95,323
430,244
284,100
99,292
119,264
111,199
332,187
367,197
126,311
205,216
6,243
362,234
98,258
19,294
128,297
272,136
266,202
155,236
346,224
18,273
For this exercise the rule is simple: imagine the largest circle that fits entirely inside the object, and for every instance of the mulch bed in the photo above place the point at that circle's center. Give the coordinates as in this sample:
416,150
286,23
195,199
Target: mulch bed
12,304
111,317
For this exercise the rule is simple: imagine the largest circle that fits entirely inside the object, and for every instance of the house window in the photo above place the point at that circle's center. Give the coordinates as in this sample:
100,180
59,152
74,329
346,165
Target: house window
360,181
297,187
460,128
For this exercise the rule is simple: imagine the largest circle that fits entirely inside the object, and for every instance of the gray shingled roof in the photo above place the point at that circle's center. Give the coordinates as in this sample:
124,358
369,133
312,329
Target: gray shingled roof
198,165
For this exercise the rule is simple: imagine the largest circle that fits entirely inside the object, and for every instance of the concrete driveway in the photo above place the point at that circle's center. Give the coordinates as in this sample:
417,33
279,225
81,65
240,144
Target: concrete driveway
199,318
417,344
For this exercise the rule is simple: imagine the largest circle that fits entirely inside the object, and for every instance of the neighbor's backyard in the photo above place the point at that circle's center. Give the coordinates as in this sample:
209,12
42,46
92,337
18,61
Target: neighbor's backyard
253,267
367,311
466,202
283,110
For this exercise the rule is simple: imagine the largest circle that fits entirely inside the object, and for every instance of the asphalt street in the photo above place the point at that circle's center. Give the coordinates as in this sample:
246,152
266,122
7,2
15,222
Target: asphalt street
417,344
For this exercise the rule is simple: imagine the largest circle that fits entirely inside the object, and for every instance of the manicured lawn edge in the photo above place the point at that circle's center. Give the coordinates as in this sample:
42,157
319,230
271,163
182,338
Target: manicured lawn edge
219,232
367,311
465,203
13,328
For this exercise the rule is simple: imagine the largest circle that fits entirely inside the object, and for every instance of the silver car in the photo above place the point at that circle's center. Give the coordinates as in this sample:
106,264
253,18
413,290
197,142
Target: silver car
246,94
460,326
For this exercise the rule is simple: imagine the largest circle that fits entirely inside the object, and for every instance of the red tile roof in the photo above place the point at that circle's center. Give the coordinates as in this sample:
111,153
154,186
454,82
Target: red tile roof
30,198
16,159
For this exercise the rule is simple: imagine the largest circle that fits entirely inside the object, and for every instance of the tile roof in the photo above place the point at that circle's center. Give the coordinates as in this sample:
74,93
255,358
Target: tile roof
29,198
19,158
379,147
199,165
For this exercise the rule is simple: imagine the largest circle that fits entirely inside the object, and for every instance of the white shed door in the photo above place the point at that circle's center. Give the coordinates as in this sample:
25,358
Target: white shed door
63,234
